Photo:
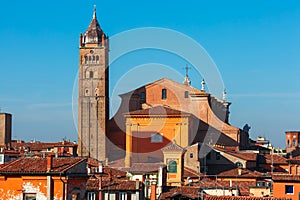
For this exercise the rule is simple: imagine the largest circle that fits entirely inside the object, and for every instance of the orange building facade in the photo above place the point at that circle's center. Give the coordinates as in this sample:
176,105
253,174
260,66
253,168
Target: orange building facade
199,117
44,178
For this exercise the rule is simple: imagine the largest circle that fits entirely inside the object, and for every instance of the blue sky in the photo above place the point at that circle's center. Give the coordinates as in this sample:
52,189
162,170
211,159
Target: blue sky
255,45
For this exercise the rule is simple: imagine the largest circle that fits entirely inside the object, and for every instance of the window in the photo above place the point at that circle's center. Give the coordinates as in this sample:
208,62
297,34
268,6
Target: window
172,167
288,143
156,138
122,196
97,59
289,189
218,156
238,164
143,95
191,155
91,196
91,74
29,197
294,143
163,93
85,59
186,94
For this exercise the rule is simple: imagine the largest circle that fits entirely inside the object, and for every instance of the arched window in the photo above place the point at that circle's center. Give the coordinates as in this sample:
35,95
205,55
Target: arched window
172,167
85,59
163,93
288,143
94,59
91,74
97,59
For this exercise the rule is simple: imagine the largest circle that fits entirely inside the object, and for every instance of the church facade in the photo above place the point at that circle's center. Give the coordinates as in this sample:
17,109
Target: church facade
150,117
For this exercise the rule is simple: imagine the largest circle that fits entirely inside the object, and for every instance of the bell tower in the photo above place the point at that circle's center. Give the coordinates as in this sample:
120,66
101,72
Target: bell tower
93,100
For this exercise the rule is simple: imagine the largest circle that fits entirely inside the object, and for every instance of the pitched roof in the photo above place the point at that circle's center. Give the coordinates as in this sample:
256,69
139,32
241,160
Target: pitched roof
242,155
39,165
209,197
164,81
243,173
39,146
187,191
187,172
173,147
277,159
144,167
114,184
94,33
157,110
286,177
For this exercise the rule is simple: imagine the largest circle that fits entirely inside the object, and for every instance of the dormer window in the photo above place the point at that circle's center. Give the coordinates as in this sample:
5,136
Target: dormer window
163,93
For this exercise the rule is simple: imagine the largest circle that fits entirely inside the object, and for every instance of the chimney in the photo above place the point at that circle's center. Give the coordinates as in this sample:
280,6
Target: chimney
49,162
153,192
239,171
137,184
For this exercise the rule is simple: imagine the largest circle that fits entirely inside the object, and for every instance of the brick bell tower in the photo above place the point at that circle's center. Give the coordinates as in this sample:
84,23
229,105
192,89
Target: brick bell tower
93,100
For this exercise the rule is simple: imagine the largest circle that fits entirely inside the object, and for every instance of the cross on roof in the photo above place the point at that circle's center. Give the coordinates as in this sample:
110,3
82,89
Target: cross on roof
187,69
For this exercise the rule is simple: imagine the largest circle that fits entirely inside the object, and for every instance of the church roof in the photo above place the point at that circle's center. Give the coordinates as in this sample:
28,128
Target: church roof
157,110
162,81
94,33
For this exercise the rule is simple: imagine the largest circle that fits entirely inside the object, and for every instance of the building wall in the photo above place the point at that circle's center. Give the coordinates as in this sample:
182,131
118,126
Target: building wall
191,158
292,140
14,187
5,128
139,132
260,191
93,102
279,190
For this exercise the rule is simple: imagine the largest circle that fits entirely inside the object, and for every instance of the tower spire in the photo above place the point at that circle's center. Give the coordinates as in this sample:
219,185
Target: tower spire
95,9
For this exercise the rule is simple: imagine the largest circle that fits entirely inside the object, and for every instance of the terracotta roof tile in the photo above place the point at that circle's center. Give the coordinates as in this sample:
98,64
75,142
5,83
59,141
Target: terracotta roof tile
144,167
187,172
39,165
242,155
187,191
114,184
286,177
208,197
244,173
277,159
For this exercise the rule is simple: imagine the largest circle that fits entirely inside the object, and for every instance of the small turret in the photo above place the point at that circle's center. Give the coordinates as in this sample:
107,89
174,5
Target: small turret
203,85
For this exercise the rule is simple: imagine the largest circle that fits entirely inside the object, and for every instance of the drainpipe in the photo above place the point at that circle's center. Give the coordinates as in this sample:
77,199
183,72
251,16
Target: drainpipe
64,193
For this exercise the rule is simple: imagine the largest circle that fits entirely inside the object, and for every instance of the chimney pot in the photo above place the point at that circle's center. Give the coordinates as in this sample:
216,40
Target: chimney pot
49,163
